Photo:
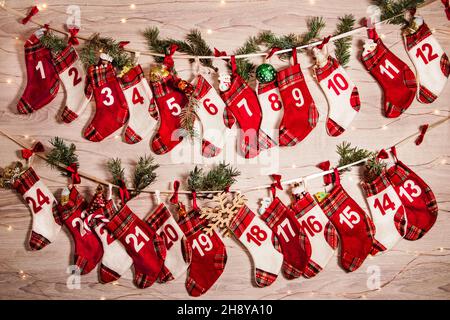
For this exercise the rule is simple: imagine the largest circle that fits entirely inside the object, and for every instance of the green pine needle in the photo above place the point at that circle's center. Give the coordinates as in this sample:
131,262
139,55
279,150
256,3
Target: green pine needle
116,170
144,174
343,45
349,154
62,154
218,178
373,169
52,42
392,8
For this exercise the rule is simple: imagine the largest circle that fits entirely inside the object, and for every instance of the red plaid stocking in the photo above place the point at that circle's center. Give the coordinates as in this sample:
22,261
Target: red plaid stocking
115,261
292,238
111,107
144,246
320,231
341,93
431,62
165,225
418,200
388,212
139,98
88,248
354,227
300,112
42,79
43,209
271,106
210,112
72,75
243,105
394,76
170,102
206,254
257,237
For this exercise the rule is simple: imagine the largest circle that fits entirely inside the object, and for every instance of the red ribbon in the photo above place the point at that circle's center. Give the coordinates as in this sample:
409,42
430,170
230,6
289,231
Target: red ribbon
382,154
176,186
227,189
447,8
73,169
73,40
233,67
372,34
122,44
168,60
218,53
325,166
123,192
27,153
194,201
272,51
423,130
34,10
324,42
277,183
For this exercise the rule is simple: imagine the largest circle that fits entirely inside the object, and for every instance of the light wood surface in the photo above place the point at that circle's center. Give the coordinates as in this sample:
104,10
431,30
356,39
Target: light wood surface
413,270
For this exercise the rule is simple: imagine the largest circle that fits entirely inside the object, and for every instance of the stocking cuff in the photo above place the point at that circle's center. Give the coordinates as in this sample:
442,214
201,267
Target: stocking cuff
121,222
156,219
65,59
101,215
132,77
100,75
26,181
303,205
201,88
376,186
264,87
416,37
237,86
241,220
33,44
323,72
162,87
191,223
371,59
76,202
289,76
398,173
333,201
274,212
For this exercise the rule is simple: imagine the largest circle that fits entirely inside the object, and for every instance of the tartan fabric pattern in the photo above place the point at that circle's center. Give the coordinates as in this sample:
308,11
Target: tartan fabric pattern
273,213
264,278
162,87
156,219
153,110
132,77
121,222
92,134
290,272
24,107
238,85
313,115
303,205
68,115
37,242
160,247
131,137
333,128
220,260
290,75
26,180
372,59
264,141
409,78
323,72
107,211
264,87
201,88
33,44
142,281
65,59
228,118
249,145
331,235
445,65
312,269
191,223
80,262
422,33
376,186
192,286
377,247
209,150
76,202
286,138
158,145
241,220
425,95
350,262
165,275
354,99
107,275
98,76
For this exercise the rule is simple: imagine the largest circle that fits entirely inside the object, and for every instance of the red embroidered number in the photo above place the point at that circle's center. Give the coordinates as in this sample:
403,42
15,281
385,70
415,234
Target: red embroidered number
420,53
169,235
275,102
387,204
338,83
137,98
311,225
210,107
256,235
41,200
76,77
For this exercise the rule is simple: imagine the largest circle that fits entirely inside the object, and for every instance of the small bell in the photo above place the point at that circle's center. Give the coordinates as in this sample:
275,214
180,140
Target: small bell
158,72
65,196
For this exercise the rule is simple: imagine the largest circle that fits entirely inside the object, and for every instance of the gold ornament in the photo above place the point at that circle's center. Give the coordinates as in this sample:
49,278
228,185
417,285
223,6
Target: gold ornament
226,206
158,72
125,70
10,174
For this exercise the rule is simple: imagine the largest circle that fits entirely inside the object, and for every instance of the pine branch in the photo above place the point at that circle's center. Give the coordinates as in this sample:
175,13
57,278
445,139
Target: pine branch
373,169
95,45
315,25
52,42
343,45
187,118
349,154
218,178
392,8
116,170
144,174
244,67
62,154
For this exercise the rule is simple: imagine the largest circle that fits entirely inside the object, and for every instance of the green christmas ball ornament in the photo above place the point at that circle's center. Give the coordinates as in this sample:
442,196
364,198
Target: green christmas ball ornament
266,73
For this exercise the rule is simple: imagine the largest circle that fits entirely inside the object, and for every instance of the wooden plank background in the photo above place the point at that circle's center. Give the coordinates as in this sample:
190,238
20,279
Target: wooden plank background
419,270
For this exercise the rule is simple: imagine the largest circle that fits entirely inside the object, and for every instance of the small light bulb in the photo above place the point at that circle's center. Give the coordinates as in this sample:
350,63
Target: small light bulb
132,6
8,81
384,127
44,6
20,271
123,20
9,228
363,296
116,137
436,111
26,136
433,30
353,128
289,292
441,249
444,161
102,298
312,2
17,38
382,36
222,2
209,31
115,283
294,166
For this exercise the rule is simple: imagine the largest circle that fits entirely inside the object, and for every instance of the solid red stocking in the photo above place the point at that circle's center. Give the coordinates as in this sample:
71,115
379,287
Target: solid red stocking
88,248
354,227
394,76
111,107
42,79
300,112
418,200
144,246
205,253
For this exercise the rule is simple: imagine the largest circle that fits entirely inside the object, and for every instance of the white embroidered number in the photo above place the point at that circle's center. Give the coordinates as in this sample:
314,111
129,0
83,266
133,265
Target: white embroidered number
414,190
243,103
40,68
78,223
134,239
348,217
202,243
298,97
173,106
281,230
384,69
109,99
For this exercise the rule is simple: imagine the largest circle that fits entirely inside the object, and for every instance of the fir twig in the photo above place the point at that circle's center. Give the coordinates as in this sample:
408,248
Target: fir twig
392,8
218,178
95,45
244,67
62,154
144,174
374,167
116,170
349,154
343,45
52,42
315,25
187,118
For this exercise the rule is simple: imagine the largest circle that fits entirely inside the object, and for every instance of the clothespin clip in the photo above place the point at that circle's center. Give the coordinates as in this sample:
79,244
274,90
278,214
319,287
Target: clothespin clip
158,197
